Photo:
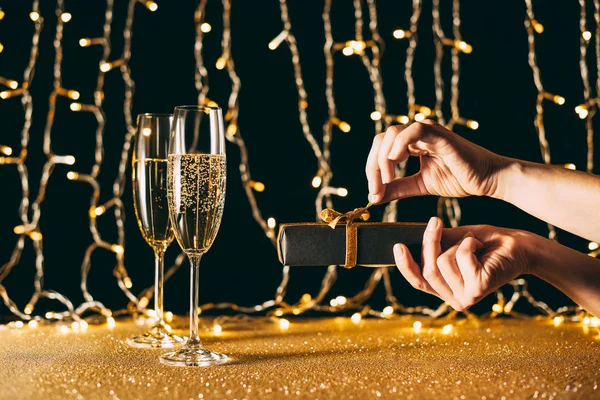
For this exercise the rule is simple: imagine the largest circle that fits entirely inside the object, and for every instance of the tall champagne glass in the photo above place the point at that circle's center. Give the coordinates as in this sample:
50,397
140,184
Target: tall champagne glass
152,213
196,178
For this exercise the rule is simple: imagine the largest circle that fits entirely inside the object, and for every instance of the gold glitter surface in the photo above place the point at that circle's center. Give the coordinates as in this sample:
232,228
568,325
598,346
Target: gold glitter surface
317,358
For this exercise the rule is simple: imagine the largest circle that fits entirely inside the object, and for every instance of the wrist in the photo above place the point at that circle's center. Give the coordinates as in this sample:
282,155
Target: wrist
507,174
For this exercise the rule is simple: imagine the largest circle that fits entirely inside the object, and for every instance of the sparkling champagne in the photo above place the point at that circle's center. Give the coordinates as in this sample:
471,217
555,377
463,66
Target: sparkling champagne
150,200
196,198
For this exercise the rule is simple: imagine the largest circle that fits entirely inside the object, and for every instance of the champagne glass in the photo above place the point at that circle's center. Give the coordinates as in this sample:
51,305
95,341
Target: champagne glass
196,178
152,213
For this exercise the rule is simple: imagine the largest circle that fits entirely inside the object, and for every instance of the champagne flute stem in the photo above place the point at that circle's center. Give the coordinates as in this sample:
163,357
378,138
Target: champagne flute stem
159,261
194,339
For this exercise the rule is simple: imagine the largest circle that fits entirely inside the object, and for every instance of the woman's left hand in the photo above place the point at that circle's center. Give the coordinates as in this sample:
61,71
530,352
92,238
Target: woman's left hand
463,265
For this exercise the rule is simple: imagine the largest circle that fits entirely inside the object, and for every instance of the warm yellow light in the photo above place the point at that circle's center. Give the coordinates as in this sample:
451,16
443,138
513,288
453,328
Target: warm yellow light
387,311
205,27
464,47
278,313
143,302
221,63
232,129
582,111
347,51
356,317
296,311
342,192
316,181
271,223
19,229
586,321
64,329
375,115
66,17
274,44
284,324
32,324
34,16
4,94
152,6
71,175
571,166
333,303
127,282
110,322
49,315
6,150
587,35
117,248
211,103
417,325
84,42
146,131
344,127
341,300
28,309
152,313
35,235
258,186
594,322
306,297
168,316
358,46
497,308
419,117
75,107
400,34
403,119
73,94
472,124
1,47
558,100
447,329
593,246
1,15
83,325
69,160
303,104
75,325
558,320
426,111
19,324
539,28
105,67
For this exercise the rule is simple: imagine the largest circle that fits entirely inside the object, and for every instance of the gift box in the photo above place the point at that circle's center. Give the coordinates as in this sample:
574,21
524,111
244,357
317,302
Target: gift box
318,244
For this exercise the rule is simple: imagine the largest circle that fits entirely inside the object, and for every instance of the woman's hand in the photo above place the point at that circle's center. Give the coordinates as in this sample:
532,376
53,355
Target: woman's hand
463,265
450,165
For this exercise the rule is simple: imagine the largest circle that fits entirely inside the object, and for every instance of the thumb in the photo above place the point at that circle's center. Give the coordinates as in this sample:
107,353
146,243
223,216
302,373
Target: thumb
401,188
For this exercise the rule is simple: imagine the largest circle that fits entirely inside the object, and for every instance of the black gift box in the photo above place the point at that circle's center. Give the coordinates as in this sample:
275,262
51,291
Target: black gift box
317,244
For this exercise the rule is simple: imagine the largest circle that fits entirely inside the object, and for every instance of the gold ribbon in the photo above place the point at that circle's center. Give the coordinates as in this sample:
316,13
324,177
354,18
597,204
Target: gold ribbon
333,218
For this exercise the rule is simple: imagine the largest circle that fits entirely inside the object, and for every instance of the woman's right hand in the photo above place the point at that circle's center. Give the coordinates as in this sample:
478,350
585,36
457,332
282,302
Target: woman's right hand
450,165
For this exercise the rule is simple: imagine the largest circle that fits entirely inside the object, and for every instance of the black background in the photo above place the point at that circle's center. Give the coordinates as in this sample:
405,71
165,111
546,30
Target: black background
496,89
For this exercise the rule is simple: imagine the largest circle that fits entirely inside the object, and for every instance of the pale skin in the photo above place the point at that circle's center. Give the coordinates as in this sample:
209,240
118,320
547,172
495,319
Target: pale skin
463,265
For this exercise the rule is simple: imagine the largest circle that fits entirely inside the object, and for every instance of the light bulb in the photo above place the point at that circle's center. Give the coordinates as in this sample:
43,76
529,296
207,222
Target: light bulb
587,35
356,317
205,27
284,324
66,17
447,329
375,115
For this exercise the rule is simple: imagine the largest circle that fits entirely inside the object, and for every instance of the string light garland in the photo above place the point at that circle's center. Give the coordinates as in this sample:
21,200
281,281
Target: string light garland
369,51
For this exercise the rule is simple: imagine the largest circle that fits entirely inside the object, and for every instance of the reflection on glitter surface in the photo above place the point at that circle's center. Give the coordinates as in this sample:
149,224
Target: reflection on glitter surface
317,358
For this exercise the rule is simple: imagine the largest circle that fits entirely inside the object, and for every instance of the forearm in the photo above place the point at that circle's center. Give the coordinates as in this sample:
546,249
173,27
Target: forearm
575,274
559,196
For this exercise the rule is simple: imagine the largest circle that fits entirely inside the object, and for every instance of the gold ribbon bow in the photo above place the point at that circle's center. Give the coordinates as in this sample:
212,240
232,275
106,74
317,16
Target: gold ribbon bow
333,218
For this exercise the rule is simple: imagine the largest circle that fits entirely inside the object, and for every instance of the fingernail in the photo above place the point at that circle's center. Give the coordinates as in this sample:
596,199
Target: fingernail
399,250
374,198
432,224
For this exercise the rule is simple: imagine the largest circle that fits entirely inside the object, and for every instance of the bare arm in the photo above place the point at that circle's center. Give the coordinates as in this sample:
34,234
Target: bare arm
559,196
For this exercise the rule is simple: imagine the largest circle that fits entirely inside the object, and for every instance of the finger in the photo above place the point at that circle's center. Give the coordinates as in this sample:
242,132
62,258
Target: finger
431,252
373,173
401,188
448,267
451,236
410,270
385,164
466,258
411,135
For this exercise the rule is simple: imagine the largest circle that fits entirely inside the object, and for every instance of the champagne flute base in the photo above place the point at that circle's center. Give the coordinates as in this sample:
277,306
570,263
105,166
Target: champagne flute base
158,337
193,357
